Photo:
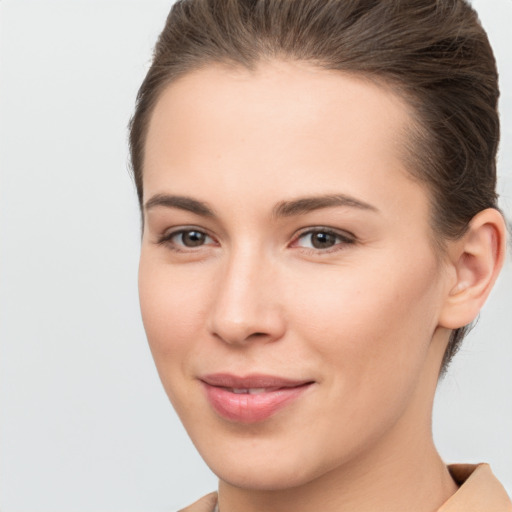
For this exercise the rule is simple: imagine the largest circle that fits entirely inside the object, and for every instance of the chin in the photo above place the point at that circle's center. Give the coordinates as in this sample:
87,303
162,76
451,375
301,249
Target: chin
264,468
270,478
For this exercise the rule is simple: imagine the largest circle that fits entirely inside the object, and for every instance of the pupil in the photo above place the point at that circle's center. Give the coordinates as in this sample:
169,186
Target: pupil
323,240
193,238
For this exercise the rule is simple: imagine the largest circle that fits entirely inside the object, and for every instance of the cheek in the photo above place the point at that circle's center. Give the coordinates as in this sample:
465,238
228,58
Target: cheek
368,322
173,309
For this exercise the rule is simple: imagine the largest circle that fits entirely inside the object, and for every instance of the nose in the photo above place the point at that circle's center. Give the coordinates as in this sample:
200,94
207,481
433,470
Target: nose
246,304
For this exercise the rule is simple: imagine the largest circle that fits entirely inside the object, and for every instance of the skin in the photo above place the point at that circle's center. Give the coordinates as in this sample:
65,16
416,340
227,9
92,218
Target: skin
367,319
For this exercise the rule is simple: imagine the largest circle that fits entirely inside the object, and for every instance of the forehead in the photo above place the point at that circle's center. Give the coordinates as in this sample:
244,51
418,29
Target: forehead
282,128
279,95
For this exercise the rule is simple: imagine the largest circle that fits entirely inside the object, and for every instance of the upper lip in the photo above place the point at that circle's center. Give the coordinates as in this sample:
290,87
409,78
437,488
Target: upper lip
226,380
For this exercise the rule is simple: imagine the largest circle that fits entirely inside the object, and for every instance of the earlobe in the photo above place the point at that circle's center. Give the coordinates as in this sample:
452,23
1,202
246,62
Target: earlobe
477,259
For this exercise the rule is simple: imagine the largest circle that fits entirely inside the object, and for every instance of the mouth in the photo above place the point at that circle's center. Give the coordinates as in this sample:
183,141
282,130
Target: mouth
253,398
251,391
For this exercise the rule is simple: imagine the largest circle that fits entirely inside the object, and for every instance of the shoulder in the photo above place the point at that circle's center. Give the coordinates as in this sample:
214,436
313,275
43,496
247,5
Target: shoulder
205,504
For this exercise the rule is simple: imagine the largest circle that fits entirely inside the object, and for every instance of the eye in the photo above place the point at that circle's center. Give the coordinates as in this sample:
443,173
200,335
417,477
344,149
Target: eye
186,239
323,239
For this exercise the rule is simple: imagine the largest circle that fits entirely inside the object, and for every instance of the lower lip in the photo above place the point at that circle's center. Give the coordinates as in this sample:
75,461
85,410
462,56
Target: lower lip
247,408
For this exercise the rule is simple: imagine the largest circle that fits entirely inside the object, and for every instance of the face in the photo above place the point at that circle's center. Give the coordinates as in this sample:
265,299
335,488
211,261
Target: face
288,285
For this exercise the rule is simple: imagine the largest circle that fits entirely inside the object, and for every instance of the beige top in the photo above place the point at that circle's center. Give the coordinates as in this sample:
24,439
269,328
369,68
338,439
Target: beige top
479,491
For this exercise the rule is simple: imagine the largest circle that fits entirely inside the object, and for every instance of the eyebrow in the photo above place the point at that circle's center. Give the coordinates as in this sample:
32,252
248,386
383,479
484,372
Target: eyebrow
290,208
305,205
181,202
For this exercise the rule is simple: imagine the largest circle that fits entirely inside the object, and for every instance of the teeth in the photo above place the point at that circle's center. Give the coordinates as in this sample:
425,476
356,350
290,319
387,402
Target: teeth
240,391
257,391
250,391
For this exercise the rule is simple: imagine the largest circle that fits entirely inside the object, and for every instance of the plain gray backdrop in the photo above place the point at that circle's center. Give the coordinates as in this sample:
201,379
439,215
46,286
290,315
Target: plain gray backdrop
84,423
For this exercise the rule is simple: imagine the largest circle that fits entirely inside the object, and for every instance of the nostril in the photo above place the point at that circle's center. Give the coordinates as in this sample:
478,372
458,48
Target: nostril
257,335
243,338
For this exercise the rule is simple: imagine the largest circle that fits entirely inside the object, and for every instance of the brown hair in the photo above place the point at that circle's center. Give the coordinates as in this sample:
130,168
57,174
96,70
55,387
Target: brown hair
434,53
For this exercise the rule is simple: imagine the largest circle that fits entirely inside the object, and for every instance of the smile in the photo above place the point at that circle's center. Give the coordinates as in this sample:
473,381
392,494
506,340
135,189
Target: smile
253,391
251,399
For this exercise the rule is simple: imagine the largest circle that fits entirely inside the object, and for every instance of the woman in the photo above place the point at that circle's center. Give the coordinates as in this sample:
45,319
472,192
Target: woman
320,226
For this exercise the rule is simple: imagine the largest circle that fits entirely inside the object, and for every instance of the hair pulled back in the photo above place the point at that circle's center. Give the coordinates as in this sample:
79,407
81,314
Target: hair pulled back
433,53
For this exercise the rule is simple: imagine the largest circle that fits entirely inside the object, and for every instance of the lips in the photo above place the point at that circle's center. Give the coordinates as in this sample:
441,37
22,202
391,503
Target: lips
252,398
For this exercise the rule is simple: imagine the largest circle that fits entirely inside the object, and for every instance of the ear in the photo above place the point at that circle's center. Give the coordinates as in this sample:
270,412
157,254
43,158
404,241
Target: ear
475,260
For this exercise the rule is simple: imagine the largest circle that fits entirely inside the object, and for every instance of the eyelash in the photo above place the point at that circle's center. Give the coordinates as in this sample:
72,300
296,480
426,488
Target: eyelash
166,239
342,237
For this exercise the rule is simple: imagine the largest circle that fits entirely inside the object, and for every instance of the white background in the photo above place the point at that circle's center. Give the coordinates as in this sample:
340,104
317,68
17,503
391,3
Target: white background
84,423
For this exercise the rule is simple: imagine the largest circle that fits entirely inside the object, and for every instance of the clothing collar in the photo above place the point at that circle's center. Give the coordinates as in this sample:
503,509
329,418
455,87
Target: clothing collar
479,490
